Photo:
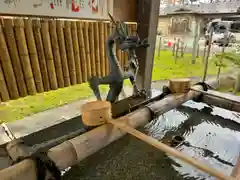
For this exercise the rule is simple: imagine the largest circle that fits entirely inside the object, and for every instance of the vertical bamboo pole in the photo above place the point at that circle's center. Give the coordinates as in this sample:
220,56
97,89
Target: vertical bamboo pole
33,55
13,51
7,67
134,29
3,87
92,48
41,55
56,53
126,54
101,46
97,49
87,48
76,52
49,55
63,53
24,56
82,50
105,46
70,54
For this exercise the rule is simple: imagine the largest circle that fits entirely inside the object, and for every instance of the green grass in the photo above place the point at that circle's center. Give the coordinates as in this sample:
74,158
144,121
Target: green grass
164,68
17,109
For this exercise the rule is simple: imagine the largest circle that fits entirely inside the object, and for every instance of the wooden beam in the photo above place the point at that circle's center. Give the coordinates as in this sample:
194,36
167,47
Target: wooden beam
147,17
222,100
89,143
125,10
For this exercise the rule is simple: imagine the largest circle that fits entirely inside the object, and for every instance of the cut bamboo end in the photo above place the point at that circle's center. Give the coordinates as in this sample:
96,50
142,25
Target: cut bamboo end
96,113
180,85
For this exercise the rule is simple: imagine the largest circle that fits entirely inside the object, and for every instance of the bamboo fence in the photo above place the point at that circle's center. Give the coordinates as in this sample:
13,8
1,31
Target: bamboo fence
39,55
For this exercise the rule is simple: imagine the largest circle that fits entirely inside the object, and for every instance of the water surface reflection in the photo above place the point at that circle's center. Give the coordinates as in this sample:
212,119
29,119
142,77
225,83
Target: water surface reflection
211,135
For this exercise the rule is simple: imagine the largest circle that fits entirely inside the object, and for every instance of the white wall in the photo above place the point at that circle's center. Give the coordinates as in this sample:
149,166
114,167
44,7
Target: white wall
58,8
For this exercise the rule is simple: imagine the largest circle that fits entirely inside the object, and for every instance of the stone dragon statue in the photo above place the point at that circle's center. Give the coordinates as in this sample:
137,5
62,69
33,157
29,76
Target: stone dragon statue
117,75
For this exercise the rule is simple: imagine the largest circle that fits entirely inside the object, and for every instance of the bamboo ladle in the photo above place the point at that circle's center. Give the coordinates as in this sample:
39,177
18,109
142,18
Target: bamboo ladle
102,109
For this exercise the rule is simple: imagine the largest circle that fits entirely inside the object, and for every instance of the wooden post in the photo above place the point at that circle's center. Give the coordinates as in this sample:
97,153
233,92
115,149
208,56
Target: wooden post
159,45
195,41
198,49
176,50
13,51
148,14
182,49
221,58
89,143
207,55
174,47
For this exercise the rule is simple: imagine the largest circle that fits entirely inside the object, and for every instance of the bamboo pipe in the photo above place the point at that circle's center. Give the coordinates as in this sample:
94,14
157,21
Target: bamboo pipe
217,95
222,103
89,143
168,150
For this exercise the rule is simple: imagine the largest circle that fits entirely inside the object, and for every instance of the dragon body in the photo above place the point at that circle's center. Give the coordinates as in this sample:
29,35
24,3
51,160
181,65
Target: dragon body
117,75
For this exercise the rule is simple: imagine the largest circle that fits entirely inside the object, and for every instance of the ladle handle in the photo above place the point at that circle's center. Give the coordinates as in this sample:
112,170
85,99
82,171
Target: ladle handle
169,150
